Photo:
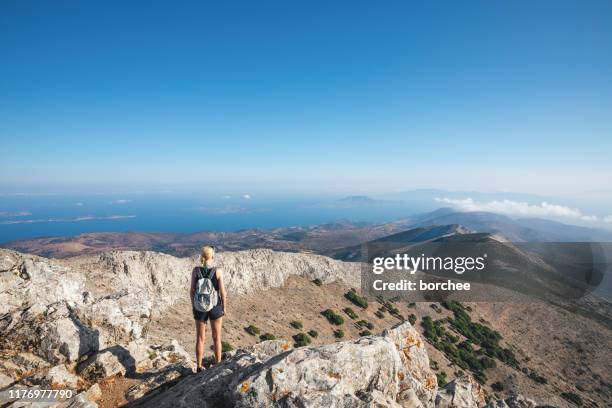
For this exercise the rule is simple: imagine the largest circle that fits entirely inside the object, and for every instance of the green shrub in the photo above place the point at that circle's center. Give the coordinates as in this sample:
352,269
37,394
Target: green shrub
432,332
252,330
412,319
366,324
296,324
393,311
301,340
350,313
480,377
571,397
379,314
480,334
267,336
537,377
225,347
435,307
356,299
333,317
411,304
313,333
487,362
317,282
338,334
365,333
497,386
441,377
433,364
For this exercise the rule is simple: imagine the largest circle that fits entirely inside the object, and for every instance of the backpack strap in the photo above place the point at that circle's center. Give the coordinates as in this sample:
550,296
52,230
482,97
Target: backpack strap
204,272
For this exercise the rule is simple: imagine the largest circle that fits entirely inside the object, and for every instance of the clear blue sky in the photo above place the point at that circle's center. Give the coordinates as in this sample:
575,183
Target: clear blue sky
492,95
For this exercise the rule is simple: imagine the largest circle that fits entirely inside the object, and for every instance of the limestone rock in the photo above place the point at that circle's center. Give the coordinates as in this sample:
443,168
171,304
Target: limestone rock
59,377
5,380
519,401
270,348
93,393
366,372
154,381
110,362
515,401
9,260
463,392
78,401
416,374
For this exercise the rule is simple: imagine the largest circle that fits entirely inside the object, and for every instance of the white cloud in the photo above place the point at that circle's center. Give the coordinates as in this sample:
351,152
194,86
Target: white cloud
121,201
227,197
246,196
79,204
608,219
519,208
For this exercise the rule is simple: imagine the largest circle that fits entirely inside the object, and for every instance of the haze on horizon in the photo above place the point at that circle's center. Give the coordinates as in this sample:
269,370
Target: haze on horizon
344,97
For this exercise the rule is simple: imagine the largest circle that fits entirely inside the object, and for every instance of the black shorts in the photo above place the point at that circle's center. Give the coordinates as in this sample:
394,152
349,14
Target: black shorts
213,314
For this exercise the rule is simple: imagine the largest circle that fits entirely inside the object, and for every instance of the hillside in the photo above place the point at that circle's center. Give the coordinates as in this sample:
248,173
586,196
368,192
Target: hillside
113,319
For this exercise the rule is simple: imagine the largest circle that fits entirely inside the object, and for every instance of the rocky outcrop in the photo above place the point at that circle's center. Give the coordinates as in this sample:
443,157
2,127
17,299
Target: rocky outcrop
75,322
388,370
65,310
463,392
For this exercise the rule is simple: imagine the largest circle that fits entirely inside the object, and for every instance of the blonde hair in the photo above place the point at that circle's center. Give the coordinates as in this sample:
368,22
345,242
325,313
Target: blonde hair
208,252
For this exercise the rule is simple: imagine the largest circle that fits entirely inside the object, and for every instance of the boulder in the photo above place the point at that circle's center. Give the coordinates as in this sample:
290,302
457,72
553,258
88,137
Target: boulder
463,392
58,377
93,393
515,401
5,380
9,261
156,381
370,371
270,348
14,366
110,362
78,401
416,375
519,401
67,340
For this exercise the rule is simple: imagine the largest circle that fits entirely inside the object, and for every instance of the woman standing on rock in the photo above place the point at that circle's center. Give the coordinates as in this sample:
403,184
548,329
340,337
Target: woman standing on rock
209,302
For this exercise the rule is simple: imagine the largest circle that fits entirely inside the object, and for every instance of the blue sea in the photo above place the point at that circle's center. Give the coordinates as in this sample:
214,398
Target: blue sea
24,216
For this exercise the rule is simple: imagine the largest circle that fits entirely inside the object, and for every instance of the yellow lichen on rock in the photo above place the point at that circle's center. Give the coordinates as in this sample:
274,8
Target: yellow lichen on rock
431,382
244,387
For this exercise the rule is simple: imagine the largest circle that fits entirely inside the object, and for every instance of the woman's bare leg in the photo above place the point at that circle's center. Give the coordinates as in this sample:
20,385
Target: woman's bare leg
216,333
200,338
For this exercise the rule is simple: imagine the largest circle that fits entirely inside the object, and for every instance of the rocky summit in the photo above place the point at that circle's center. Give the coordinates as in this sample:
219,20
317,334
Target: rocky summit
81,322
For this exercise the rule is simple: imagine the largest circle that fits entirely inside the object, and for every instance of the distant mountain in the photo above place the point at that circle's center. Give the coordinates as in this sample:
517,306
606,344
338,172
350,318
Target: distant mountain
355,201
517,230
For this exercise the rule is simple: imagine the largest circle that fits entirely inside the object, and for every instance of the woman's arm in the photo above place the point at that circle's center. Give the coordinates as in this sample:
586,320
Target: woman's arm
222,291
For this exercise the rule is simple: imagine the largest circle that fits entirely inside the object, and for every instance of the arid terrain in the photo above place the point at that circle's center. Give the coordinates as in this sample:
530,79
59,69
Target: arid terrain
570,351
117,326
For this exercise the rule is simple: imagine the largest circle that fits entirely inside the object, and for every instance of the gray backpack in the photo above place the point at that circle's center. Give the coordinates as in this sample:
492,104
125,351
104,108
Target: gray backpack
206,296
